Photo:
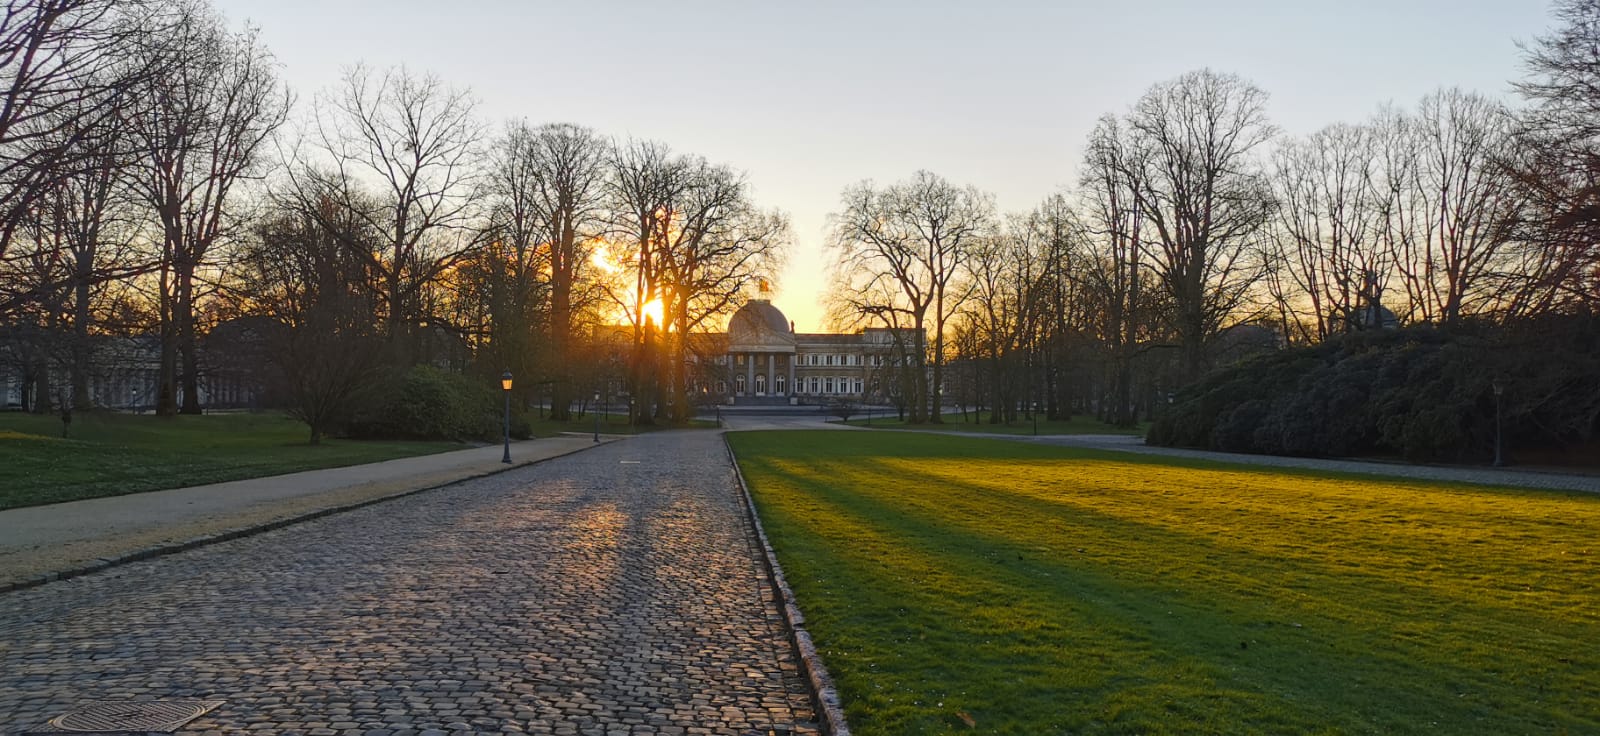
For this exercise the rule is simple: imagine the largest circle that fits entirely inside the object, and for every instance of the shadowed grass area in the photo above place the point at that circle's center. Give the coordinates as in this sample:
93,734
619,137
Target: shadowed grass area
1079,424
114,454
1041,590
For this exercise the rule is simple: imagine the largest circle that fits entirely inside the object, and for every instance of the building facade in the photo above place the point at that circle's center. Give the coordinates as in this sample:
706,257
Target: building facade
761,360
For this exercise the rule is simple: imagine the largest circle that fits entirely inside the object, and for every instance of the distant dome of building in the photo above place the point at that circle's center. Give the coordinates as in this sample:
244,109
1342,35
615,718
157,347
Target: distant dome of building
757,325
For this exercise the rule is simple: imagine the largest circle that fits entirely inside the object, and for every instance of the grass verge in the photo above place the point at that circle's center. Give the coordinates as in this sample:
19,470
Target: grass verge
114,454
956,585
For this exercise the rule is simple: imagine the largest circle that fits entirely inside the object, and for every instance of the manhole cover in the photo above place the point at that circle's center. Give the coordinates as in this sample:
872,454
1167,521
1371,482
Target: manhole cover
147,715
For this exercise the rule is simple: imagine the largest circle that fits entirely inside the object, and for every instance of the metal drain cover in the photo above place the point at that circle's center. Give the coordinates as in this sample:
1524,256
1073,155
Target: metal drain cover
142,715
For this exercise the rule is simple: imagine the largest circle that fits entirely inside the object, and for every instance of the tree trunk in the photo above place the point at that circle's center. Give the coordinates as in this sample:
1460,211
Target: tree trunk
188,349
561,389
80,345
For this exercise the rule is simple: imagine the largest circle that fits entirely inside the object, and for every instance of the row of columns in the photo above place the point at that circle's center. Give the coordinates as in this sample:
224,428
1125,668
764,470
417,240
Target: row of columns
772,373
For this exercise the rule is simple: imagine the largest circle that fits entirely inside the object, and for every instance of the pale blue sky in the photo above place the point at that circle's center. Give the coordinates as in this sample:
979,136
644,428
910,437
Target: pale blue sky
808,97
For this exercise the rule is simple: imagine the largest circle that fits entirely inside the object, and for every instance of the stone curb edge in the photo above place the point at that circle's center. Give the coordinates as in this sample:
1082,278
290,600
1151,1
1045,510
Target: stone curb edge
226,535
823,693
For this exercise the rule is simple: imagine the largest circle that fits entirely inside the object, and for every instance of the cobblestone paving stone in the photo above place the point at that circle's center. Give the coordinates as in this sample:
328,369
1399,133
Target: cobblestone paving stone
616,591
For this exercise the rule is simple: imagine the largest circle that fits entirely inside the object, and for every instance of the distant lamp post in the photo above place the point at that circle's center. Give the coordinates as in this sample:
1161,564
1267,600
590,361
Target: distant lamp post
597,417
505,385
1499,390
1036,419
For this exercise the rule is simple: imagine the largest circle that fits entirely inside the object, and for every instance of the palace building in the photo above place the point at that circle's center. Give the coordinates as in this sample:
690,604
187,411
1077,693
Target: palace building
761,360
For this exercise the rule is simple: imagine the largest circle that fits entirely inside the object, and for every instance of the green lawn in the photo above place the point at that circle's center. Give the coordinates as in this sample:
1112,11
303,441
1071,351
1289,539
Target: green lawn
957,584
1079,424
113,454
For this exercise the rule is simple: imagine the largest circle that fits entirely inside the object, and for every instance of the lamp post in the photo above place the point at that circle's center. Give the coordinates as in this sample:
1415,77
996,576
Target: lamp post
1036,419
597,417
1499,389
505,386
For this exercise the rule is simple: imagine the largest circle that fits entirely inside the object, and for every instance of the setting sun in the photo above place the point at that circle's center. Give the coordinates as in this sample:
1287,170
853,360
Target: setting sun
653,312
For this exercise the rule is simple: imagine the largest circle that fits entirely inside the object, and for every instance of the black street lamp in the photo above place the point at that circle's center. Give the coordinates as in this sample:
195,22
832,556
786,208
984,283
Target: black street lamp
597,417
1036,419
505,386
1499,389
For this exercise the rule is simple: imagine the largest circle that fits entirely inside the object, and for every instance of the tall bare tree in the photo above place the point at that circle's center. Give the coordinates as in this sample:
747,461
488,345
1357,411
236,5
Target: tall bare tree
645,181
548,183
1204,200
1559,159
1464,204
401,153
902,250
1330,263
717,245
66,67
1112,270
200,128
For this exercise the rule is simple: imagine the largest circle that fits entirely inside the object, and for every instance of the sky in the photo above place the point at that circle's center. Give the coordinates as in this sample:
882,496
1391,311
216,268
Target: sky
809,97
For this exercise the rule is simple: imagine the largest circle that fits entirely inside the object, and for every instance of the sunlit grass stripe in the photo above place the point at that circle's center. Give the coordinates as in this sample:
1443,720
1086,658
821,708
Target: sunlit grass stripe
905,554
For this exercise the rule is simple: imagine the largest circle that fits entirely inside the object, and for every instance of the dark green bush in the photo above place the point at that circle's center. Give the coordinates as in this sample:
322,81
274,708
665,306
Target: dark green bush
1421,393
426,403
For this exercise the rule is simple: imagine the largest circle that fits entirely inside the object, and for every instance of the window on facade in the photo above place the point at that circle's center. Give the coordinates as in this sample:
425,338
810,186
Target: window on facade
782,383
827,385
816,384
738,383
858,386
722,387
761,384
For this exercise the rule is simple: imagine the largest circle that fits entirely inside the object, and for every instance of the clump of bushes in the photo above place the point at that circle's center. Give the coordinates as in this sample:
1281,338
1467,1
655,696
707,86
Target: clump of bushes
426,403
1422,393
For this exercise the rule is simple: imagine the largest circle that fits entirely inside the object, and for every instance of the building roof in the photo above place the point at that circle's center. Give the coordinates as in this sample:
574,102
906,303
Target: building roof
759,327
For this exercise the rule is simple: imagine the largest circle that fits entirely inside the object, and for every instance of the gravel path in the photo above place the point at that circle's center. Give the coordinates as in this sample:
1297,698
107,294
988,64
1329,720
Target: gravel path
615,591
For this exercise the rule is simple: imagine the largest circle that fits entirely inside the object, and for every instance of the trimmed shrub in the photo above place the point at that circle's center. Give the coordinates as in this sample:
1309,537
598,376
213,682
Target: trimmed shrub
426,403
1422,393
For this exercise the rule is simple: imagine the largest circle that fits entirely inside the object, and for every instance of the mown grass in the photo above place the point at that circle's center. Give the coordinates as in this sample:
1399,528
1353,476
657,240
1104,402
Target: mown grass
114,454
962,585
1078,424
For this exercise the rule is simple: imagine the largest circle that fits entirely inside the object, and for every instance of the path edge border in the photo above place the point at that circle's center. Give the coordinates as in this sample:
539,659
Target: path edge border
227,535
824,696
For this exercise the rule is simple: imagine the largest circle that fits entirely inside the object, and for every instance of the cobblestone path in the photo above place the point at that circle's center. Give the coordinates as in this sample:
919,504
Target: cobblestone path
615,591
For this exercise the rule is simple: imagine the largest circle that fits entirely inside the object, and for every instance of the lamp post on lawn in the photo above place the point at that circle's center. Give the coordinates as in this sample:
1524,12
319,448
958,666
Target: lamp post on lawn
597,417
505,386
1036,419
1499,389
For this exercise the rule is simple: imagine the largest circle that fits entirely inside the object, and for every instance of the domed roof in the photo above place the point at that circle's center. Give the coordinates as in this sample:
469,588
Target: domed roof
758,325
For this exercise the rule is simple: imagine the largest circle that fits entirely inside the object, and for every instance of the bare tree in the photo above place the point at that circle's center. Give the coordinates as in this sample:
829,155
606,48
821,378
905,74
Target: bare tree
199,128
1112,268
548,188
901,251
66,67
1191,146
716,246
1451,212
400,153
1332,266
645,181
1558,162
